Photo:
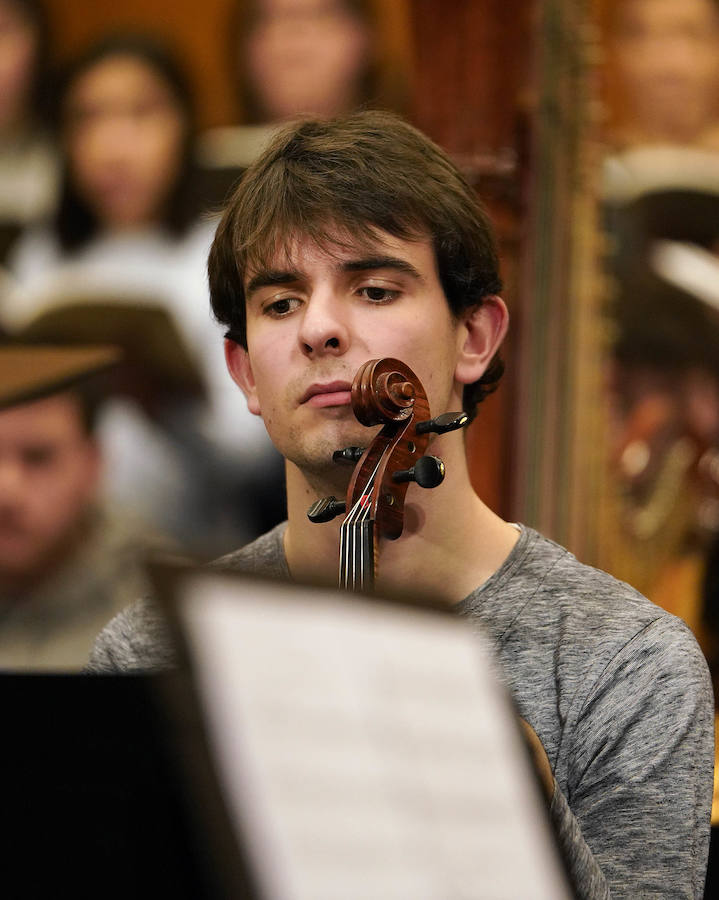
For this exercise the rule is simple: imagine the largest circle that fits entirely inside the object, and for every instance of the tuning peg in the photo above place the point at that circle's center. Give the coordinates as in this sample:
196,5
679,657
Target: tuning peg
349,455
326,509
428,472
446,422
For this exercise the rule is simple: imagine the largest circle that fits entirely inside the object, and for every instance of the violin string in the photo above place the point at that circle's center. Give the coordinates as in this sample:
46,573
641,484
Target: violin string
364,515
348,528
359,513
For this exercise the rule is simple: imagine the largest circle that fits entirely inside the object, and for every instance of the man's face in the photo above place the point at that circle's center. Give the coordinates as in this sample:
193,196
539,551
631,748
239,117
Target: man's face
315,315
48,478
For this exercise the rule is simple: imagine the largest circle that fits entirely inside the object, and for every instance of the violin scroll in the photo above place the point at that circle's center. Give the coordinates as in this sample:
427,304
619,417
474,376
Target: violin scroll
384,391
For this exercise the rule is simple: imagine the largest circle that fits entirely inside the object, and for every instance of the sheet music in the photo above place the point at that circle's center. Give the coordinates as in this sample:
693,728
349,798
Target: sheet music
364,749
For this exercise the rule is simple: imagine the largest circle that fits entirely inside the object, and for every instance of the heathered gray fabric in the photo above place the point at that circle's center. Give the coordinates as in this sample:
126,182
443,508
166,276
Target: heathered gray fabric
615,687
136,639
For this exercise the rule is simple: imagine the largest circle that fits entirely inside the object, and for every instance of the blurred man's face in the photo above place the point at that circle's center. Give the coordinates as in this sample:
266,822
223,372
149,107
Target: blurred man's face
666,54
48,479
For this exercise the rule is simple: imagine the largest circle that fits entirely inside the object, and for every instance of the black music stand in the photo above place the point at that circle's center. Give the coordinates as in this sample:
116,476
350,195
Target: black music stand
93,798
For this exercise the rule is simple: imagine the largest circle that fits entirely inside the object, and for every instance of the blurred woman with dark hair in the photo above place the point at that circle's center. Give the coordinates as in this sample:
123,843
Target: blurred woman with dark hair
124,118
127,124
128,227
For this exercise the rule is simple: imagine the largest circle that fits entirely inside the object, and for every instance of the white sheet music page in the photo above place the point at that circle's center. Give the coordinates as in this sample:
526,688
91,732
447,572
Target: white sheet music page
365,750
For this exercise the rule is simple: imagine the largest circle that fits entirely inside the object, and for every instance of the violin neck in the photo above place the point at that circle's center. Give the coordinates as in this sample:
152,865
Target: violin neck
357,555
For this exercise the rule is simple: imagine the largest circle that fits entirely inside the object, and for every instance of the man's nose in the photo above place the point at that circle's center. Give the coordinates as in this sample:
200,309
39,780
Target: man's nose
324,329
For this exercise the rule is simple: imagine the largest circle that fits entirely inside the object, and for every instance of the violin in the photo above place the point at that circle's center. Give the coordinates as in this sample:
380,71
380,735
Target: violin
384,392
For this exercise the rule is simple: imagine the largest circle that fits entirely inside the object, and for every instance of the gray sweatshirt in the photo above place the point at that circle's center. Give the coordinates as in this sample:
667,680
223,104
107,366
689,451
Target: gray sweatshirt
616,688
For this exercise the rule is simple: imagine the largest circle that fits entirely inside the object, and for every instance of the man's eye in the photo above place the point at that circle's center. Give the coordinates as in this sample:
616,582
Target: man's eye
379,294
281,307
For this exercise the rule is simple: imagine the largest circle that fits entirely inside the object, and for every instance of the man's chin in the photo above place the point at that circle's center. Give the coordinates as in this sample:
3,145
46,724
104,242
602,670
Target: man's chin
319,455
18,566
25,556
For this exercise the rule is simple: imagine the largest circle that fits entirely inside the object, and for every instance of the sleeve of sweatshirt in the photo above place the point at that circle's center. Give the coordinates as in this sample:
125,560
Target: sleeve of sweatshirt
635,818
136,640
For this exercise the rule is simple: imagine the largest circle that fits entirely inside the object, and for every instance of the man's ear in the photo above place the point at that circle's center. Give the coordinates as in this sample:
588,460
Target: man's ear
238,365
484,328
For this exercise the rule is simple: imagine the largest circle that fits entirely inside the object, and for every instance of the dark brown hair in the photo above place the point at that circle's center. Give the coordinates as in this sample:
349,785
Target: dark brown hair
354,175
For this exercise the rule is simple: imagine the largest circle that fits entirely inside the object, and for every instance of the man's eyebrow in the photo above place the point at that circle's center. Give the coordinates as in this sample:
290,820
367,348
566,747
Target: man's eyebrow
270,278
369,263
276,277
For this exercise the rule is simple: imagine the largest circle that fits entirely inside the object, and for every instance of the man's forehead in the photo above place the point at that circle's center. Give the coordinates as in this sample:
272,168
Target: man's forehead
298,251
48,416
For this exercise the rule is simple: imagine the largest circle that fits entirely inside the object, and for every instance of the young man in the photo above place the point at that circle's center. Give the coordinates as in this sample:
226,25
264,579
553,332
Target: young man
356,239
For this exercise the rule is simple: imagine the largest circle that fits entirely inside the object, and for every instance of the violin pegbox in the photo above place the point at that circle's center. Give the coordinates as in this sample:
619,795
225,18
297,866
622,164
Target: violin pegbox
325,510
385,392
350,455
427,472
450,421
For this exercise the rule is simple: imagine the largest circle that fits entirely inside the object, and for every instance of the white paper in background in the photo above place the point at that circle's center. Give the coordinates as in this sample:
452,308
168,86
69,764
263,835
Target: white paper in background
364,750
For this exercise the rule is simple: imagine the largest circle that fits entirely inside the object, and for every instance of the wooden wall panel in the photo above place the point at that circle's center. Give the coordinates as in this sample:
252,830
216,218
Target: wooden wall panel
472,67
473,70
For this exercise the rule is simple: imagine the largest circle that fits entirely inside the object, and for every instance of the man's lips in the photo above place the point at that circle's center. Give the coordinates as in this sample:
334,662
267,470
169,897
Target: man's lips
333,393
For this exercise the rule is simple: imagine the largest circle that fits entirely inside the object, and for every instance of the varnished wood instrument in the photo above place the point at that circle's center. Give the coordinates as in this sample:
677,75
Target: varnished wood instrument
384,392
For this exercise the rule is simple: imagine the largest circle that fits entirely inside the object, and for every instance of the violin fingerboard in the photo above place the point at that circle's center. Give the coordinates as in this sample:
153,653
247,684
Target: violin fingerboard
357,557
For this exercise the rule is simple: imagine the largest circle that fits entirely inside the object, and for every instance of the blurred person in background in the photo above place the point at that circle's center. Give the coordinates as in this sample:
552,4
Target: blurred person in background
664,65
665,404
128,227
66,564
664,396
662,87
28,160
310,58
661,191
307,57
126,208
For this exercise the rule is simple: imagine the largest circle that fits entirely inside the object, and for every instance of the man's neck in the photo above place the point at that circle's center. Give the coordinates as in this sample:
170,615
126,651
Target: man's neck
451,542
